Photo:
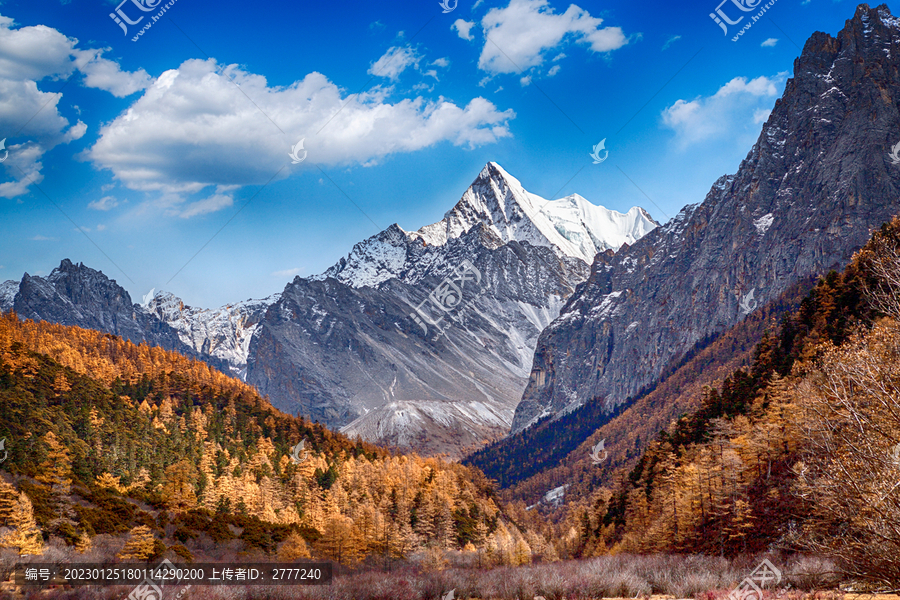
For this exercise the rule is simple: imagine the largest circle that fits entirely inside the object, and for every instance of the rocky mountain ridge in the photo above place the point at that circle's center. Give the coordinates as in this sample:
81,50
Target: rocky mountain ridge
371,351
810,191
224,333
421,340
73,294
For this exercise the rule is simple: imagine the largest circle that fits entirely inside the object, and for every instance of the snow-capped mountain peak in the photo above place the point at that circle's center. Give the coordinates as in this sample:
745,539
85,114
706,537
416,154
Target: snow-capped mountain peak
571,226
374,260
605,229
498,200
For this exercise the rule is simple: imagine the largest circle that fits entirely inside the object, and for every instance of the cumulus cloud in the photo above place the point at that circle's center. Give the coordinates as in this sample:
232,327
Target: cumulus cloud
769,43
463,28
726,112
193,128
29,118
107,75
521,34
393,62
33,53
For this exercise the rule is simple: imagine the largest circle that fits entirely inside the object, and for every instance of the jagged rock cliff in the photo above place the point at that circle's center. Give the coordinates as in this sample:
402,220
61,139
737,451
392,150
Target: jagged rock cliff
815,184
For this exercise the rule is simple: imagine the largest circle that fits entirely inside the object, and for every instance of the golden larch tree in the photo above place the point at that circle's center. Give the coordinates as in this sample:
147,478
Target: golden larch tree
140,545
25,536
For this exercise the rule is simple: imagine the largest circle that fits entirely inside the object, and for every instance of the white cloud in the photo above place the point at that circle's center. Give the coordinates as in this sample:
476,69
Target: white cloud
441,62
287,273
193,128
725,113
41,238
769,43
29,55
523,32
393,62
553,70
525,81
33,53
104,203
107,75
463,28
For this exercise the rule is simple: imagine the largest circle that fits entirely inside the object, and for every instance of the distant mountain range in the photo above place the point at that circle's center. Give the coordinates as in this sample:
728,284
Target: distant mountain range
421,340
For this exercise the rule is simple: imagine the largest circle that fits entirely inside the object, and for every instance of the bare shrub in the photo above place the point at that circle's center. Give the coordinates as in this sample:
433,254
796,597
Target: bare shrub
621,576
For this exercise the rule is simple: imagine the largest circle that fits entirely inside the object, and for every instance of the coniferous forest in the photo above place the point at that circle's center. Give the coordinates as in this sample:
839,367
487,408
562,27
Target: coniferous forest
373,360
125,452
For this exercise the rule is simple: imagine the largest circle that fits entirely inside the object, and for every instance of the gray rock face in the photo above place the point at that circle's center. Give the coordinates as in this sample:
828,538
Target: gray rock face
222,333
8,291
343,348
352,357
816,183
79,296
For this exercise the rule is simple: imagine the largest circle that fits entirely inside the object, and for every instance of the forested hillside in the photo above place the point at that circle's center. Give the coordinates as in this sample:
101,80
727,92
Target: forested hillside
556,452
800,445
106,439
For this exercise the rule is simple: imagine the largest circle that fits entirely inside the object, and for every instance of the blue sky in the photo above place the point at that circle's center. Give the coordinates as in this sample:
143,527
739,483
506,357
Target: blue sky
164,162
